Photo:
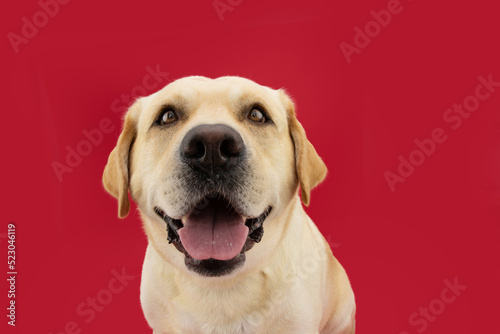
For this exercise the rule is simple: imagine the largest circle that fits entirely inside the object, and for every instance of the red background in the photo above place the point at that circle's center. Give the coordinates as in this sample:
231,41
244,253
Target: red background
398,247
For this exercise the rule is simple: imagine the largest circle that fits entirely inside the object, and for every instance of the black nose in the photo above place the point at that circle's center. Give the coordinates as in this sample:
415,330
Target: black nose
212,148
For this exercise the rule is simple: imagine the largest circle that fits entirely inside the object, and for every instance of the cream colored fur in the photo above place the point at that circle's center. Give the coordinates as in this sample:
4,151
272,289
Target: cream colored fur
290,282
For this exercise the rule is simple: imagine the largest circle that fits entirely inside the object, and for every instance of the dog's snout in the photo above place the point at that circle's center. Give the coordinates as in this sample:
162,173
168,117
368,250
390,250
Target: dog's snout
212,147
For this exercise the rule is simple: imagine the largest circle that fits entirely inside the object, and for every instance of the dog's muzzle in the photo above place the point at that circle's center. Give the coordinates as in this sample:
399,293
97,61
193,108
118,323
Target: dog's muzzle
214,233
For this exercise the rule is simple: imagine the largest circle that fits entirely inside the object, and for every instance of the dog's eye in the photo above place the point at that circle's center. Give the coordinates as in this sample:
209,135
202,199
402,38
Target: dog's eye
167,116
256,115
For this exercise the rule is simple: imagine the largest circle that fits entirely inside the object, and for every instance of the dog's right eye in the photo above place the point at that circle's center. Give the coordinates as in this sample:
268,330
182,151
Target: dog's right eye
167,116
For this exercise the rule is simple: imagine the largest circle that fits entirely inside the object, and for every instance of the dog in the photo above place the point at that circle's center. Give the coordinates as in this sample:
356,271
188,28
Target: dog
215,167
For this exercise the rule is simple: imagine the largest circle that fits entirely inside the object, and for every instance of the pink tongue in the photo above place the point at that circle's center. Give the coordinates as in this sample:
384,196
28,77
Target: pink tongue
215,232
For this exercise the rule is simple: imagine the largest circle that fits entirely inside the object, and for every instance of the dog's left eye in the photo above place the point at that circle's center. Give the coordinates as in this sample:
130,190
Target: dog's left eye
256,115
167,116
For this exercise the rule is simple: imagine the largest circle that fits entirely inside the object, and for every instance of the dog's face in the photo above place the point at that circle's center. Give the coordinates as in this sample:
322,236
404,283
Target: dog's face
215,162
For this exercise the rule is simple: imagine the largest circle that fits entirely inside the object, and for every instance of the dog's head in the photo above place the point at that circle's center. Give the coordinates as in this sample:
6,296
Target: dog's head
216,161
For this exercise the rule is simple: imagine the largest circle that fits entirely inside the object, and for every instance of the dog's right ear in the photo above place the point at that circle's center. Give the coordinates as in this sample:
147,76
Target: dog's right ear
116,173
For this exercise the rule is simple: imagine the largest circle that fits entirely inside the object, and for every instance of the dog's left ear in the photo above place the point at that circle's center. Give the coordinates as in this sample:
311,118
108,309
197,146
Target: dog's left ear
116,173
311,169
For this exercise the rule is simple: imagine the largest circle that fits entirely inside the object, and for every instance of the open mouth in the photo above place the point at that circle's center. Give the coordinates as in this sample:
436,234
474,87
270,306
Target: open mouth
214,234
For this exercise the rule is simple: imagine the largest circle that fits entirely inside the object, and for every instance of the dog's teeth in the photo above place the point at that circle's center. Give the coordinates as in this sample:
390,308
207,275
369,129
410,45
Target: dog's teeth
183,219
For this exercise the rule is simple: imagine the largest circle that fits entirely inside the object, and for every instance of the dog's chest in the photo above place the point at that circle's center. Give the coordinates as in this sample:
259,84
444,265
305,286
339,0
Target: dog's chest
243,310
216,312
187,323
253,323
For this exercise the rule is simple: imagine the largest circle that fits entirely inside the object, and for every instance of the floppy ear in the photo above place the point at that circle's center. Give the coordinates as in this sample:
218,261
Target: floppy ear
311,170
116,173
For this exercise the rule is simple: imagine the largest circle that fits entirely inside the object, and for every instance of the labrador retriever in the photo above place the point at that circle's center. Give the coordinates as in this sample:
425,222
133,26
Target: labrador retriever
215,166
